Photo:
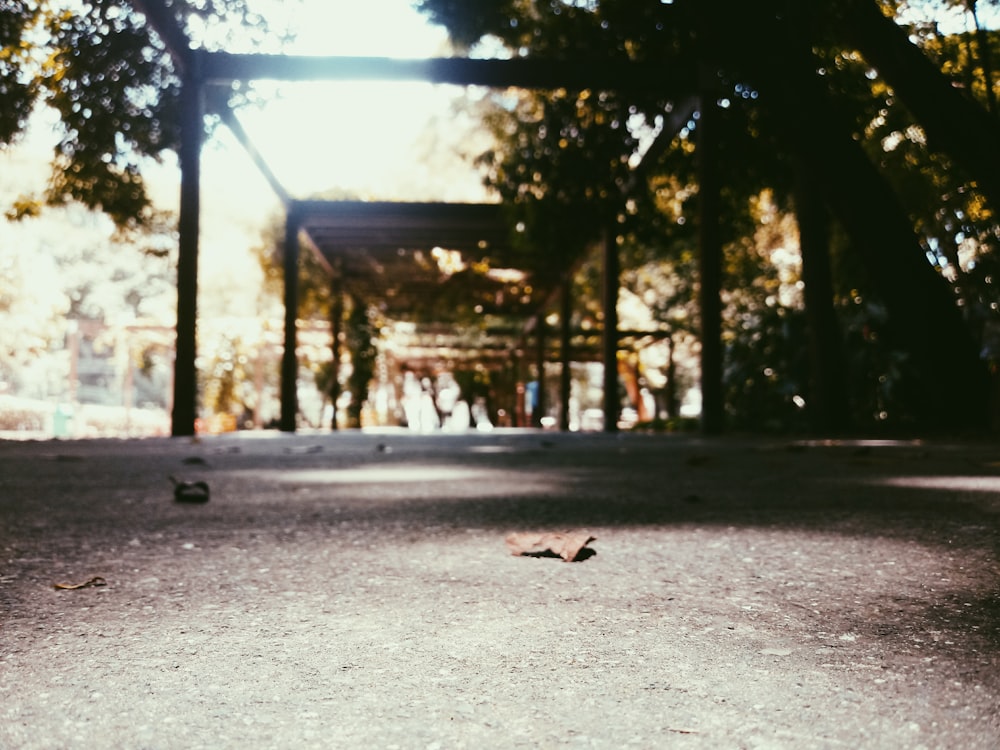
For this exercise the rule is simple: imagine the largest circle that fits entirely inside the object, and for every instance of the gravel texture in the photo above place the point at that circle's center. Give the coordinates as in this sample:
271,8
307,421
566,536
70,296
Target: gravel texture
352,590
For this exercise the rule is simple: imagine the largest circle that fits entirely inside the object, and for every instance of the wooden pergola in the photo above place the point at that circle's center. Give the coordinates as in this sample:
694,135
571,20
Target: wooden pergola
381,248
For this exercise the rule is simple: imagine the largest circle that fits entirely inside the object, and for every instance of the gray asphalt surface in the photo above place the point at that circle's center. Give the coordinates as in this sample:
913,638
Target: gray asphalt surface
355,590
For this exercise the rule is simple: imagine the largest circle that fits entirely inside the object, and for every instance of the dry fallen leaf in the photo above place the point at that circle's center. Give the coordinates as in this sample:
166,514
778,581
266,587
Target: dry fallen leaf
190,492
570,546
95,581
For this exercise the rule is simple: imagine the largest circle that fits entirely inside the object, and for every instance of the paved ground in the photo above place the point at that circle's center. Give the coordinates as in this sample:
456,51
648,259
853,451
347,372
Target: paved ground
354,590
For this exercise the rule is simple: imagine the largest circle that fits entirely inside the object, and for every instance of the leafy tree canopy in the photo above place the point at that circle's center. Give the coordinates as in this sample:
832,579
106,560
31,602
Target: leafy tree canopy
892,114
103,68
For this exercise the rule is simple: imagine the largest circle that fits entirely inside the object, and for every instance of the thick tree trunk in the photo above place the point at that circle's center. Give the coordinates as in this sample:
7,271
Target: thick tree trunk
827,403
925,320
713,408
289,357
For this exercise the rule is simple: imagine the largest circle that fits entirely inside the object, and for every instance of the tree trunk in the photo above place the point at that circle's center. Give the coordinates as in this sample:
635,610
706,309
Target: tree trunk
925,320
827,403
951,387
713,409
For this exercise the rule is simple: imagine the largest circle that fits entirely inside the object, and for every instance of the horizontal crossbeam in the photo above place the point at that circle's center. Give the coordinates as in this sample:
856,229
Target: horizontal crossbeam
521,72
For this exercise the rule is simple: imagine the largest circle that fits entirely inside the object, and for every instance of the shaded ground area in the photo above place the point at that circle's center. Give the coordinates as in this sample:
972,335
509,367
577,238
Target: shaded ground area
355,589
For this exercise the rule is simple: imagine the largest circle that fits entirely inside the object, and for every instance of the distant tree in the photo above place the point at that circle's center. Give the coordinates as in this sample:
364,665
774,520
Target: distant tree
361,335
118,282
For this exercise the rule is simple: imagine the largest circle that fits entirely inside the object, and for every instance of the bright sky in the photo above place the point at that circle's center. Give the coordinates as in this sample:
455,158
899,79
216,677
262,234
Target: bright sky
361,136
381,28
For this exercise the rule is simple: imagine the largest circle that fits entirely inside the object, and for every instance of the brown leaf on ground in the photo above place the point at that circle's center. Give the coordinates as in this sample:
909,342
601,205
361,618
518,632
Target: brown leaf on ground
571,546
190,492
95,581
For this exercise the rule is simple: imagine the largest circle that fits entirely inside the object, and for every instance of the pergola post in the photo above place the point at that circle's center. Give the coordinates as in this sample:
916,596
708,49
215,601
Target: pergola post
539,410
520,418
565,315
289,358
185,398
710,264
610,339
336,321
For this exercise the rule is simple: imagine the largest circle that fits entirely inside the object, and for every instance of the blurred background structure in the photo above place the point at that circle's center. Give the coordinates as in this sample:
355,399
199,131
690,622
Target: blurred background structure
562,215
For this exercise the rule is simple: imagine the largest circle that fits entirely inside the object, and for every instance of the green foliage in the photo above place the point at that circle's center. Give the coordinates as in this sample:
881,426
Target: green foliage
469,22
116,95
766,370
227,376
360,337
561,163
958,229
18,91
107,73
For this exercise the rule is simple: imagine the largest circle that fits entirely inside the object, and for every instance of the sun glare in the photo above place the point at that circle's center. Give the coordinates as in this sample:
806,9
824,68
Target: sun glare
360,139
375,28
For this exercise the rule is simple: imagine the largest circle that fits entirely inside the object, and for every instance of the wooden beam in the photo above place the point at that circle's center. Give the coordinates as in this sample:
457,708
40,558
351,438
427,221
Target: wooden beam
521,72
565,350
184,410
311,246
166,27
541,331
289,357
363,213
611,282
217,104
336,326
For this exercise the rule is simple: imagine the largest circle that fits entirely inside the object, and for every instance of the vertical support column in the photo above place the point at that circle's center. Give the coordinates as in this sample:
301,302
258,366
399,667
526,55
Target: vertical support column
540,332
185,399
610,340
520,419
336,321
710,262
73,388
289,358
514,388
672,402
565,355
258,384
